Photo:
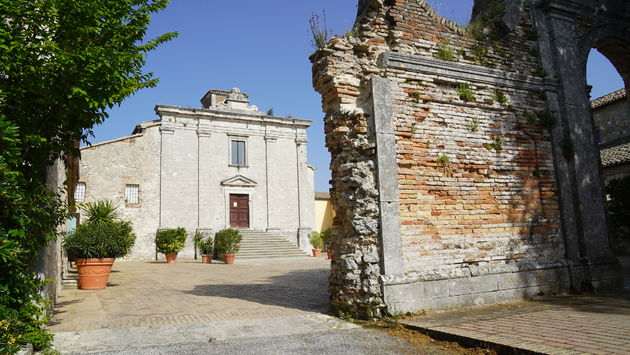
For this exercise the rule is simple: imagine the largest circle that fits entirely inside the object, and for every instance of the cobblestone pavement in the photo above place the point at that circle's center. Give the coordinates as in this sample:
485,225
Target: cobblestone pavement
188,292
189,308
558,325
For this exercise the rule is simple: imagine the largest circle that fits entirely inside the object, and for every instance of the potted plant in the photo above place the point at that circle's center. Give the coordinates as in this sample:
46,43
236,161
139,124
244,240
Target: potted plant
170,242
326,238
205,245
228,243
95,244
317,242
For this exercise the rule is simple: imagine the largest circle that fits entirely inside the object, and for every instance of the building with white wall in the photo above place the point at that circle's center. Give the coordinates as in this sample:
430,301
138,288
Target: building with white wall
223,165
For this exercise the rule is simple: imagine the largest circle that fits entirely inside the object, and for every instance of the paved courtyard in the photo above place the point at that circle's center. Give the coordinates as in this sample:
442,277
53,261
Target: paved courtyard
156,293
187,308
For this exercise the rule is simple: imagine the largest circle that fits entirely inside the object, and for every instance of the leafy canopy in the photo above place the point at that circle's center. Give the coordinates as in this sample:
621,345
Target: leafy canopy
63,63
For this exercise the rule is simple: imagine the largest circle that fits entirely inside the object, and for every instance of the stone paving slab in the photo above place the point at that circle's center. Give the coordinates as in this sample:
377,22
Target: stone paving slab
558,325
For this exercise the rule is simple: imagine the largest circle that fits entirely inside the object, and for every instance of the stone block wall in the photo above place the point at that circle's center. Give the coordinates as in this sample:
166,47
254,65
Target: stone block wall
442,161
613,120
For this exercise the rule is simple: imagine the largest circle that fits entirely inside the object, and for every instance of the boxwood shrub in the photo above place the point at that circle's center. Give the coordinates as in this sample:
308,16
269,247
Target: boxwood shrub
170,241
228,241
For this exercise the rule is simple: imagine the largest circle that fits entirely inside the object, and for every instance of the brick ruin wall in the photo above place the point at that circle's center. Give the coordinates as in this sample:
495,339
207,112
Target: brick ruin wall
476,211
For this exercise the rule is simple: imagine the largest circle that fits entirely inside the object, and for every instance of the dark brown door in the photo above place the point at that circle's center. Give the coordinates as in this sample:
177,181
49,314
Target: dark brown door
239,211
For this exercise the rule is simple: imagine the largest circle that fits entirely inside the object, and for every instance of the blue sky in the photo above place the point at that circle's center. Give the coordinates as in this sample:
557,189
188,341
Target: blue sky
261,47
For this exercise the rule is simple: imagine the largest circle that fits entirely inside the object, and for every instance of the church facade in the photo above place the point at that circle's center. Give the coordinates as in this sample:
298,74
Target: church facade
223,165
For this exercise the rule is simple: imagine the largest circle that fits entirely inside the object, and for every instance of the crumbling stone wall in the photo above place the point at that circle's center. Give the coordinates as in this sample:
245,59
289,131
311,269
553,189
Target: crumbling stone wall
443,160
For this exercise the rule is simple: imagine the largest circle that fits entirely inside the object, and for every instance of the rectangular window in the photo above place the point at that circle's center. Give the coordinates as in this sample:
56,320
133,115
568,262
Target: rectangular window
238,153
79,192
131,194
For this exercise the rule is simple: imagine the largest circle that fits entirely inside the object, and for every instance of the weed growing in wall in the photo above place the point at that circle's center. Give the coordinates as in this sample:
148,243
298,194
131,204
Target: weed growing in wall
415,96
443,160
480,54
499,96
499,50
445,53
319,31
529,116
474,124
496,145
465,92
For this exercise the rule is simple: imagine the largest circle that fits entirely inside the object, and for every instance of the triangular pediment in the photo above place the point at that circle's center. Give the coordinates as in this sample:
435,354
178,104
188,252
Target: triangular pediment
239,181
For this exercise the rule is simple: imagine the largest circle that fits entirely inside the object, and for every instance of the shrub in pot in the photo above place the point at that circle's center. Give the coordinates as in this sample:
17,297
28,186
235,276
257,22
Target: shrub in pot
228,243
95,244
326,239
170,242
205,244
317,242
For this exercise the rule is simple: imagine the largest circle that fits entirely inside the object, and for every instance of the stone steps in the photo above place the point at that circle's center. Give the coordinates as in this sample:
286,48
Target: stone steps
265,245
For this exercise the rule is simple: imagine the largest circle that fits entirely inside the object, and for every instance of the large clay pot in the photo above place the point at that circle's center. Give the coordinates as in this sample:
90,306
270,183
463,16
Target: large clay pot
206,259
229,258
317,253
94,273
170,258
329,254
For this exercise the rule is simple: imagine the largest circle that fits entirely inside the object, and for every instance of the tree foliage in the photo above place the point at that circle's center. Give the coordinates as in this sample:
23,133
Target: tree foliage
63,63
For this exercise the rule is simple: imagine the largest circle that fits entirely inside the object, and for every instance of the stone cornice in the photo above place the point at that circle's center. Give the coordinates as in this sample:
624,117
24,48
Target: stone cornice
464,72
231,116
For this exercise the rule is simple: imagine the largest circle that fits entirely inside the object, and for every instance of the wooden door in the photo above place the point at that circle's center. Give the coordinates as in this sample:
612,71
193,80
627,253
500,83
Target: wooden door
239,211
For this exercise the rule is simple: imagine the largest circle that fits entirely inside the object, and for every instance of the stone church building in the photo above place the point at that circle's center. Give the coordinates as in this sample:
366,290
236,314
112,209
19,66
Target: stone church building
205,169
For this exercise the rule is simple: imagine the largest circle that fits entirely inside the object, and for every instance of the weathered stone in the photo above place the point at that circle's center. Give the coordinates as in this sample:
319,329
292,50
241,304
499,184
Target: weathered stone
460,179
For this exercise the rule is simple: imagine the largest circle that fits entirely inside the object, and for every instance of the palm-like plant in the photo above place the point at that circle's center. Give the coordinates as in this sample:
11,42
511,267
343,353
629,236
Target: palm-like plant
99,211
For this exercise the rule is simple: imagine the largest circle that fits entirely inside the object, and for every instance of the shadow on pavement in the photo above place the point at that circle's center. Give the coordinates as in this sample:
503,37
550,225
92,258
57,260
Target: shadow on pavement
306,290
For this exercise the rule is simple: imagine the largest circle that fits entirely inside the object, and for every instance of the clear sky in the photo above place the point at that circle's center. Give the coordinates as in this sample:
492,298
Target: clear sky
261,47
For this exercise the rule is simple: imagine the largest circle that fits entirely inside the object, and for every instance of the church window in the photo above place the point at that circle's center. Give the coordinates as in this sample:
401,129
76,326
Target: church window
238,152
79,192
132,194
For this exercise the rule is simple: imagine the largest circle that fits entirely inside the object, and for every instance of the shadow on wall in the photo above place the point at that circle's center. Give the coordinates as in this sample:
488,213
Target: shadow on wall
306,290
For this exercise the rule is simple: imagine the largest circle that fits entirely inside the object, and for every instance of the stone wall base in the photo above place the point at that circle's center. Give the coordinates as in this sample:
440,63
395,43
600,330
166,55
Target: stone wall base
416,296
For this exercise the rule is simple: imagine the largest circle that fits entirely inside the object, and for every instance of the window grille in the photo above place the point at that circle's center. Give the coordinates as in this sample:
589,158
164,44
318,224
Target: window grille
131,194
79,192
238,153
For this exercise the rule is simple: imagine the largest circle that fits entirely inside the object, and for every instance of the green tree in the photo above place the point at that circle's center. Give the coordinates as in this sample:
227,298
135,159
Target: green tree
63,63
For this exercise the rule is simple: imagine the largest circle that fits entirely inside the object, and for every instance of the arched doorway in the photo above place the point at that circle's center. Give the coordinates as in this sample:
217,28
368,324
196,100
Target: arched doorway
567,35
611,123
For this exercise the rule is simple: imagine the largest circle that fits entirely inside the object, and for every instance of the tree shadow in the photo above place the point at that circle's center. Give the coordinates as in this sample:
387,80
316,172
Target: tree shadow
305,290
617,303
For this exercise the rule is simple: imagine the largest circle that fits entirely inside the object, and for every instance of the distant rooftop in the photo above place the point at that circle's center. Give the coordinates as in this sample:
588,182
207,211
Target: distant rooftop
609,99
615,155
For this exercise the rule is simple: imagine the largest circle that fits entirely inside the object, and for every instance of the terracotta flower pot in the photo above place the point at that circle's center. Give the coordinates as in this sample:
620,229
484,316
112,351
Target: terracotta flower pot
94,273
329,254
170,258
317,253
206,259
229,258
